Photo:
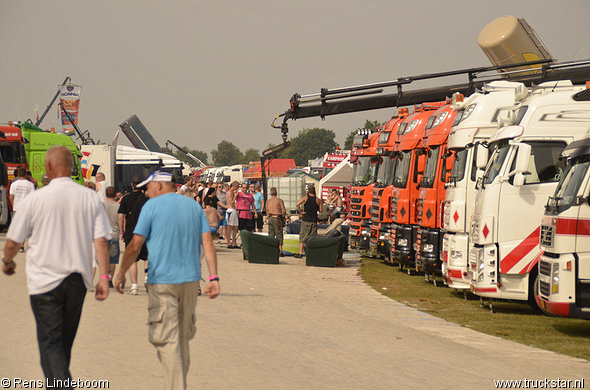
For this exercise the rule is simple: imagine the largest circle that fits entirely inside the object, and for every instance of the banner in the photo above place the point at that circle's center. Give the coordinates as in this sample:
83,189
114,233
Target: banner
69,96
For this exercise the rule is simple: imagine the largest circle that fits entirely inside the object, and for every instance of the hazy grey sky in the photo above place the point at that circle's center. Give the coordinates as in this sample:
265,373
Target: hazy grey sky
199,72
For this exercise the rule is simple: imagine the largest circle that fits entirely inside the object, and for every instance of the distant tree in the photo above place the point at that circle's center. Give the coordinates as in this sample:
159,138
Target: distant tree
371,125
349,140
310,144
226,154
197,153
251,154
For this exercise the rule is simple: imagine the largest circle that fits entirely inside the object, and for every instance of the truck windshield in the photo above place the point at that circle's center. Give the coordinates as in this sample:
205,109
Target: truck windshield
459,166
431,164
386,171
568,187
402,169
10,153
500,150
363,172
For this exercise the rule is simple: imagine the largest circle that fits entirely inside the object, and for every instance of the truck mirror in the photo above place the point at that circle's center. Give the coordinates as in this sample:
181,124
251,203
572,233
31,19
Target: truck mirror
449,161
522,158
421,163
518,180
482,156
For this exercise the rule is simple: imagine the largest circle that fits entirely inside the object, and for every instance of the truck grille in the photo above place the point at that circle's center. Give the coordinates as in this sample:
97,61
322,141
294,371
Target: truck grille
544,288
547,233
544,268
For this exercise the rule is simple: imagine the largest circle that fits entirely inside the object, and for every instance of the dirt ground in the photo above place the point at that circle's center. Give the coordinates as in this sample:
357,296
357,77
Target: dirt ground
284,326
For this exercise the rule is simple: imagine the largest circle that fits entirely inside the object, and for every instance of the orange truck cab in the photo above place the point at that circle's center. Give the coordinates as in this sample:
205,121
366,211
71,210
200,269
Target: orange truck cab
381,203
408,173
364,171
12,149
433,191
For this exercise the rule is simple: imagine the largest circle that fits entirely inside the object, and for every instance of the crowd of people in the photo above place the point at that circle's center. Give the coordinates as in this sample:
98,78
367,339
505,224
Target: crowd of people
156,220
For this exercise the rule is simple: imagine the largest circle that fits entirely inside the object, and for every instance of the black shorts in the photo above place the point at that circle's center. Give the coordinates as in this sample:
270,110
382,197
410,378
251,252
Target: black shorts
246,224
143,253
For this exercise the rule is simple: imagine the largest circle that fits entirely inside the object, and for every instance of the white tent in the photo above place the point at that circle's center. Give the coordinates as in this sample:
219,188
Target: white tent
339,176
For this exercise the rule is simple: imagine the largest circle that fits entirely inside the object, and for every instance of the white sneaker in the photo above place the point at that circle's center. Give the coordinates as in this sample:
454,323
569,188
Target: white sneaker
133,291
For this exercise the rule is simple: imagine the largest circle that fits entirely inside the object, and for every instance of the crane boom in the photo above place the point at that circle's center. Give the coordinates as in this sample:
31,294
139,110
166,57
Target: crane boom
201,165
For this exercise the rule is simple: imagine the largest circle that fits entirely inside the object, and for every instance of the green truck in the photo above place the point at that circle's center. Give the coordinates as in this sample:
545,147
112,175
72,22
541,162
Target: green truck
36,143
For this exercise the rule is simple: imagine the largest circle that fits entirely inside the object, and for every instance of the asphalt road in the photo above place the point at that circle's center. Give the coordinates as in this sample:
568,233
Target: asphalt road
283,326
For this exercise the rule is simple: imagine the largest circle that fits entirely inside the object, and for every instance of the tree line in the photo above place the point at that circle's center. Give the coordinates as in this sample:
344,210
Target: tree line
309,144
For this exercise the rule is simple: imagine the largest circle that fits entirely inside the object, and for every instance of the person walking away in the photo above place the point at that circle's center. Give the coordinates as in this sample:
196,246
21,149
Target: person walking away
232,216
259,205
129,210
61,221
309,216
101,186
112,208
18,191
276,214
174,228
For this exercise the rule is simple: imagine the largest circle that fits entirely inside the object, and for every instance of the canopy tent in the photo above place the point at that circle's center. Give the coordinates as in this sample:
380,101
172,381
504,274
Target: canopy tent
339,176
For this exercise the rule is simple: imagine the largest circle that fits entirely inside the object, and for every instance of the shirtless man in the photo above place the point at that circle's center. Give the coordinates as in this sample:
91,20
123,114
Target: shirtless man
336,201
276,213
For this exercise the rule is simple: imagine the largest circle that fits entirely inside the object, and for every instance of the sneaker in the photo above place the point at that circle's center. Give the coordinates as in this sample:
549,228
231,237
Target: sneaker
133,291
22,249
297,255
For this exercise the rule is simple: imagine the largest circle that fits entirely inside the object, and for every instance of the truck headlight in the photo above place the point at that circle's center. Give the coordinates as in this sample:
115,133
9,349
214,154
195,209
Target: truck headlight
428,248
456,255
382,237
555,280
402,242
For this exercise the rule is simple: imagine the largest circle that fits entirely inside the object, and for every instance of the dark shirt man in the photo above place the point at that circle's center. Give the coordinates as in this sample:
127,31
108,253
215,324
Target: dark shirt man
129,210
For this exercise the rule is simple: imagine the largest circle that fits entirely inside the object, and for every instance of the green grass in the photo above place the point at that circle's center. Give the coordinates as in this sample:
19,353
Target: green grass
512,321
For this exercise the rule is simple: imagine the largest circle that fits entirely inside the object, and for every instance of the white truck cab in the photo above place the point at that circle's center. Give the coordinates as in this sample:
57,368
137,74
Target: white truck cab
564,267
476,121
521,173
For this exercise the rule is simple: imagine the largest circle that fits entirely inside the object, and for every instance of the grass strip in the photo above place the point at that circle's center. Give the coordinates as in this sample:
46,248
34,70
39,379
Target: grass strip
510,320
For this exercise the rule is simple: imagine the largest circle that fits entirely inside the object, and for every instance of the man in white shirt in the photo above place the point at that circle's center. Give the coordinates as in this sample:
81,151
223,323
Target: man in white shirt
61,221
20,188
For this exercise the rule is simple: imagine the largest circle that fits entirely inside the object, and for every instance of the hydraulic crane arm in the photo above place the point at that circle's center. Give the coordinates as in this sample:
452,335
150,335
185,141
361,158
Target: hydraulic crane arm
355,99
201,165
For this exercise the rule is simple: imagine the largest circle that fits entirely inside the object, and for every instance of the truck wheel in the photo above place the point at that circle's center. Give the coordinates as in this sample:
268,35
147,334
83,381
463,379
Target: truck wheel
533,286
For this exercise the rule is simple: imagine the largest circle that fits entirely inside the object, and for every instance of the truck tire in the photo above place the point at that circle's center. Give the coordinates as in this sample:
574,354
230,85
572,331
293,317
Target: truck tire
533,286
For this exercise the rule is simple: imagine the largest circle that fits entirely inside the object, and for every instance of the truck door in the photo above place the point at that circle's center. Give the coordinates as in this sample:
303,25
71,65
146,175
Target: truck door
521,208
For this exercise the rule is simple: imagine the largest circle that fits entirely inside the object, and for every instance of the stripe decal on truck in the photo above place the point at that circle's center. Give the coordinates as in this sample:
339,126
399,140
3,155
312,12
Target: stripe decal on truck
517,254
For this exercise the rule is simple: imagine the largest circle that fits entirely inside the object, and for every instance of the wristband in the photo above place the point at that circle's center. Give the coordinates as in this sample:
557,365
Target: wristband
213,277
106,276
5,263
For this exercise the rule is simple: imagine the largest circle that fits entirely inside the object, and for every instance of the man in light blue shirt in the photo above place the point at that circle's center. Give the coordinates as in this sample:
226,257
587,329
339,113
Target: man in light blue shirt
258,204
174,227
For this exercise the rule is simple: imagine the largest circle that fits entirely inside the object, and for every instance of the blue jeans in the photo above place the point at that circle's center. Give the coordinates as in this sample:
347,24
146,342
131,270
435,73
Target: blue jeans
57,314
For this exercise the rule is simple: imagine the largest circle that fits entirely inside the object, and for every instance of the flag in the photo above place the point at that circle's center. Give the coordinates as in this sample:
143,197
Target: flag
69,96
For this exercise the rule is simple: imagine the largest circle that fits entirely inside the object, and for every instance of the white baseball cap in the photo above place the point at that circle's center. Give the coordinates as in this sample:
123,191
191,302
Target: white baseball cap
160,176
